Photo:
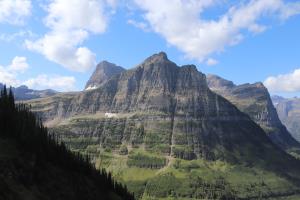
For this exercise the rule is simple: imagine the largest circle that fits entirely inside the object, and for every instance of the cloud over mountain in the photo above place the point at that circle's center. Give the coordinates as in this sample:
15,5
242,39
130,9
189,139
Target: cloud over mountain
71,22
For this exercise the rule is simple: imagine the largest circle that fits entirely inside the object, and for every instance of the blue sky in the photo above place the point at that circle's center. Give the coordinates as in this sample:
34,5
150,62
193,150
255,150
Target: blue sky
56,44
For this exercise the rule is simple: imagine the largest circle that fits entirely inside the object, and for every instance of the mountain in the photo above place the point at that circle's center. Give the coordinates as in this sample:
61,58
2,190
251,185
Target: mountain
35,165
254,100
24,93
163,132
289,113
104,71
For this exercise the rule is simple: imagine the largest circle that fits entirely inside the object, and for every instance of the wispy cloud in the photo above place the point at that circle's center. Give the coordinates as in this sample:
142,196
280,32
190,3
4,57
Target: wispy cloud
211,62
181,24
9,37
141,25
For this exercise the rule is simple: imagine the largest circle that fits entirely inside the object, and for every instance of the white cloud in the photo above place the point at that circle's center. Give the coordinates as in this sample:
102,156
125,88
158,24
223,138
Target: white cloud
71,22
14,11
284,83
140,25
62,48
8,74
8,77
211,62
60,83
19,65
181,24
76,14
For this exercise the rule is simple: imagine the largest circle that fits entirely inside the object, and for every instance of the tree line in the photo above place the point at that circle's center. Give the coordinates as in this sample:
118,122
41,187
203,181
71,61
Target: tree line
18,123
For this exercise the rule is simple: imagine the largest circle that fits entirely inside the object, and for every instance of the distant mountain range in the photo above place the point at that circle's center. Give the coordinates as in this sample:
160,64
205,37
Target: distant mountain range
289,113
161,130
24,93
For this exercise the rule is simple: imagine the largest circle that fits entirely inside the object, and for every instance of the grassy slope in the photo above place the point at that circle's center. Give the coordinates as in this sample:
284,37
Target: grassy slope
245,181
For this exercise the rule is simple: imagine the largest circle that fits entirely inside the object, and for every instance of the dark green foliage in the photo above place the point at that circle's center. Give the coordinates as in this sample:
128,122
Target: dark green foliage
162,186
123,150
138,187
19,124
193,187
135,134
184,152
146,161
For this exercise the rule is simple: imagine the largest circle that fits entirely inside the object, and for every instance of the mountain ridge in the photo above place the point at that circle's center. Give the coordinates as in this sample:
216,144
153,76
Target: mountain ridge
254,99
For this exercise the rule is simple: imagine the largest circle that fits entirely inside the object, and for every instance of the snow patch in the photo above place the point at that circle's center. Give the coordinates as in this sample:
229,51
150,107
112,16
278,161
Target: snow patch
91,87
110,115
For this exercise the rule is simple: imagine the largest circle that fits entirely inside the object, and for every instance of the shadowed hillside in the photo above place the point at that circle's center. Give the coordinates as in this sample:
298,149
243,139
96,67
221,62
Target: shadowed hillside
35,165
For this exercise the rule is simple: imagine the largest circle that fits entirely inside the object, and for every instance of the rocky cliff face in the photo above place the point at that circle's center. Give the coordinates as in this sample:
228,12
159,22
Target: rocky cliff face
104,71
254,100
289,113
170,103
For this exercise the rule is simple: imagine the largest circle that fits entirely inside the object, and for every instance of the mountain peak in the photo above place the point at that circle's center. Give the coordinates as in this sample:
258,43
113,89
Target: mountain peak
103,72
157,58
161,55
104,64
215,82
